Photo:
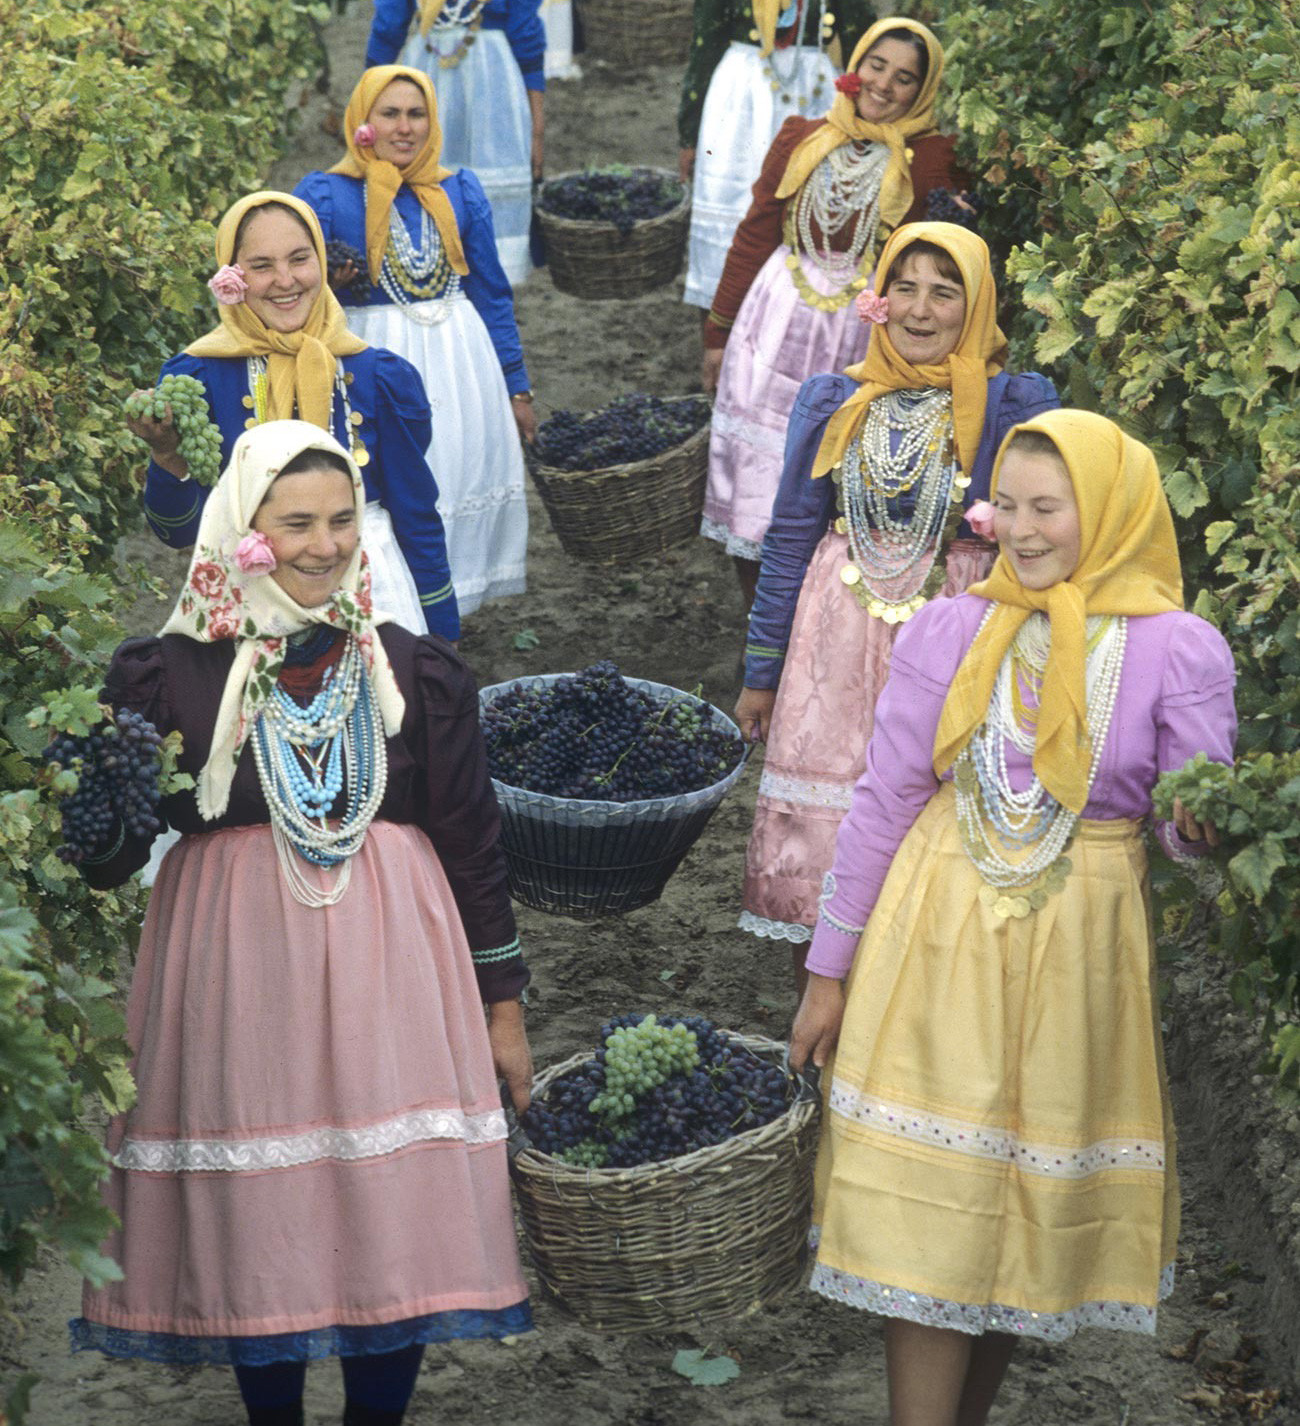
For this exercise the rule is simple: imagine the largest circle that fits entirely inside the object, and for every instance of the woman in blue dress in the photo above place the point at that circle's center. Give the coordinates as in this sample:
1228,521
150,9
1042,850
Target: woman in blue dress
486,60
283,348
435,293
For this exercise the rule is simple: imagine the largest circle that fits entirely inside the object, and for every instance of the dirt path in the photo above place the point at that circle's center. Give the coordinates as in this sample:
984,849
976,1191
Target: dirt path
676,619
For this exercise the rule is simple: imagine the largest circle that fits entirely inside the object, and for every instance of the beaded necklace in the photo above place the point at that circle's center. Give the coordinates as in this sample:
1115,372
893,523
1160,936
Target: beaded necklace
791,16
886,547
412,274
995,819
304,756
258,402
844,187
457,21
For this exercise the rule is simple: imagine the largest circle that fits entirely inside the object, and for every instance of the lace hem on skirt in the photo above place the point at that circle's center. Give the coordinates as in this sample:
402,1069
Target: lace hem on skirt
792,931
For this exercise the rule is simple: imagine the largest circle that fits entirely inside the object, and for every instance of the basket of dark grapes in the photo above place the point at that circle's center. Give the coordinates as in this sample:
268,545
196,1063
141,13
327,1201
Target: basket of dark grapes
625,481
615,231
604,783
666,1180
632,35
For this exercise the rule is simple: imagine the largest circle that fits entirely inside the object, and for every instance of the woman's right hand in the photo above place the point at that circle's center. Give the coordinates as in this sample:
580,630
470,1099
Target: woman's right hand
710,369
685,164
162,438
342,275
754,713
816,1029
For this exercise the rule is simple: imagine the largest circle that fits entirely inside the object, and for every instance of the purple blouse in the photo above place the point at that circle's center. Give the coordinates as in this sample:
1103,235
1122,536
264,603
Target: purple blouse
1175,700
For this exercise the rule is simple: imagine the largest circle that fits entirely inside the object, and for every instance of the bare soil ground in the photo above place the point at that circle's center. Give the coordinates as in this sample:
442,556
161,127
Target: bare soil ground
1226,1339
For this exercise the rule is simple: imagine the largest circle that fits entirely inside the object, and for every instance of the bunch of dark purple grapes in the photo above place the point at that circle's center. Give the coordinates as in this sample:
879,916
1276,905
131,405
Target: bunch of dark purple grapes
339,255
592,735
119,768
940,208
631,428
616,194
655,1111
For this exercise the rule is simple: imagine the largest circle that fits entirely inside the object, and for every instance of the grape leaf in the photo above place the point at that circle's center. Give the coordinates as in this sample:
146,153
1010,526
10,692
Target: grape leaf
700,1369
525,639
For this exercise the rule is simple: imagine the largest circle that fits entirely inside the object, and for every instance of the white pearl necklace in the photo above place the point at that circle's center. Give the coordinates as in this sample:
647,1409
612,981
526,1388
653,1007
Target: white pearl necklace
418,288
844,187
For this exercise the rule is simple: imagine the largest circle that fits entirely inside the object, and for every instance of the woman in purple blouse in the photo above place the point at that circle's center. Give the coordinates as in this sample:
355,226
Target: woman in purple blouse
998,1159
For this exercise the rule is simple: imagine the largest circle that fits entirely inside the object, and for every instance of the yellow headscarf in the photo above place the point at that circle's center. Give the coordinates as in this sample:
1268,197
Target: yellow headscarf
423,175
300,365
1128,564
843,126
979,354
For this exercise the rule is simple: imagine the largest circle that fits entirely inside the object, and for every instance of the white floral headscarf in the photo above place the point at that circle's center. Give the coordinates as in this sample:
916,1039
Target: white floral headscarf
227,596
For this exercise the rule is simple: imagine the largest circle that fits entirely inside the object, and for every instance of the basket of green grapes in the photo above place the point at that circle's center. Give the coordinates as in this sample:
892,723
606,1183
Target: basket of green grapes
666,1179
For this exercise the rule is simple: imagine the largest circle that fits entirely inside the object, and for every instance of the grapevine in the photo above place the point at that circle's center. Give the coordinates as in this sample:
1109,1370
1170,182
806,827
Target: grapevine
657,1087
186,401
592,735
631,428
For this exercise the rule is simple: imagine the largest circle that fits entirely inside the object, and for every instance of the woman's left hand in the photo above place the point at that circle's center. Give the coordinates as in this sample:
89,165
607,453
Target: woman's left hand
525,420
538,117
511,1056
1190,830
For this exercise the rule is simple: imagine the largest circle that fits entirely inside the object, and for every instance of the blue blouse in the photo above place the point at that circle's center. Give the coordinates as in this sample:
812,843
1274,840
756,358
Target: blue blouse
520,19
386,391
804,508
340,204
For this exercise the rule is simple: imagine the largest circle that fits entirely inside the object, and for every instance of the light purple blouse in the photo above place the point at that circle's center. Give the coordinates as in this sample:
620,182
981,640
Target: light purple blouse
1175,700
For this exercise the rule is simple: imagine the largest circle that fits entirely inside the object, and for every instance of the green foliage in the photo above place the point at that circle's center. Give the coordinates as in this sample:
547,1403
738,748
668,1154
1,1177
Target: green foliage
129,127
700,1369
1142,166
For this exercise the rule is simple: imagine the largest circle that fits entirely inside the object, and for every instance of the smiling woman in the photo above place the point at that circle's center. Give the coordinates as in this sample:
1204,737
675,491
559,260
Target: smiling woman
309,521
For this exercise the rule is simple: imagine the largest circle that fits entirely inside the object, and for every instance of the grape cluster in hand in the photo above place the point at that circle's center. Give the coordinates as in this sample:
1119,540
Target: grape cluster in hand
338,255
657,1088
617,194
939,208
118,769
592,735
200,443
631,428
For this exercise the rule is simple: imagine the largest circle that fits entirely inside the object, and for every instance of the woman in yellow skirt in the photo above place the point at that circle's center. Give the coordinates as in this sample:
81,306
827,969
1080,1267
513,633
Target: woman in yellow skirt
998,1157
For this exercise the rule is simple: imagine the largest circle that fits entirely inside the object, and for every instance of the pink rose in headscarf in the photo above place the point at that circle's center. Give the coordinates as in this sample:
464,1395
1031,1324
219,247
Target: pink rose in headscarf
228,285
364,137
872,308
980,518
254,555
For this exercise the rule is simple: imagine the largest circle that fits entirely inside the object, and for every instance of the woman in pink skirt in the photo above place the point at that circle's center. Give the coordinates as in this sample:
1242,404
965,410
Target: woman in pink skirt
316,1162
869,524
829,193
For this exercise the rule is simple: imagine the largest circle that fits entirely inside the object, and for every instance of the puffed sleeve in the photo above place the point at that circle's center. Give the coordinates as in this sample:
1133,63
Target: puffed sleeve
1196,712
899,778
388,31
460,815
314,190
486,285
406,487
526,36
171,506
137,681
800,514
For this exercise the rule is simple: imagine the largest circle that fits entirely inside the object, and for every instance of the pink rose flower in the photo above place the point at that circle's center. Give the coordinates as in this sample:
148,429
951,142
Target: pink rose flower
228,286
364,138
850,84
872,308
254,555
980,518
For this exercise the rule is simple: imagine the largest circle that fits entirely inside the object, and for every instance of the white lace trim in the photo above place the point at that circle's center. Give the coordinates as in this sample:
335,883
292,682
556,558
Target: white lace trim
749,432
291,1150
791,931
512,494
991,1317
801,789
982,1142
743,549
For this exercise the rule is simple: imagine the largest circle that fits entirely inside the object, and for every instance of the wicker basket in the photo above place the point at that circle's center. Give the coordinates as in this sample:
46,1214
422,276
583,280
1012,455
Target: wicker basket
632,33
591,859
626,512
594,260
717,1233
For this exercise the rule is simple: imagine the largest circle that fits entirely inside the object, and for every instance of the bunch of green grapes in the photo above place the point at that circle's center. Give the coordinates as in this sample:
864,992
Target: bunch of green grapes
637,1059
200,443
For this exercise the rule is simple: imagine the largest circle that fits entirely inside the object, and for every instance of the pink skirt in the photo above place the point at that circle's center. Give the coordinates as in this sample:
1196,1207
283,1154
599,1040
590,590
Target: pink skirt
778,342
319,1139
836,666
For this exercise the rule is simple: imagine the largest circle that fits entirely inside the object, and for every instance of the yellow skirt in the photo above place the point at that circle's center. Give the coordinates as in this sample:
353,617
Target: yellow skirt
998,1151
